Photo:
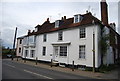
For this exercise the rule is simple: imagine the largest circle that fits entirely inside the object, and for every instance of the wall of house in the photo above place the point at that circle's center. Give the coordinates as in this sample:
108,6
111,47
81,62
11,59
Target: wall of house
29,44
109,56
71,35
19,46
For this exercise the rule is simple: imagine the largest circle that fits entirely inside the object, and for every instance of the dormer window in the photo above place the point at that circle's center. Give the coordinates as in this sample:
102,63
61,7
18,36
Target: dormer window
57,23
36,29
78,18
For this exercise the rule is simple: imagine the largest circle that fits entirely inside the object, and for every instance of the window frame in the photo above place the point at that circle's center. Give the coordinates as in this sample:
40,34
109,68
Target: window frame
57,23
44,37
63,52
26,53
19,50
32,53
20,41
60,35
82,32
82,52
76,18
44,51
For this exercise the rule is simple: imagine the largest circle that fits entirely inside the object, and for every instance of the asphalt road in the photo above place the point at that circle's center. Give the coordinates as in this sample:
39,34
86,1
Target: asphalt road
13,70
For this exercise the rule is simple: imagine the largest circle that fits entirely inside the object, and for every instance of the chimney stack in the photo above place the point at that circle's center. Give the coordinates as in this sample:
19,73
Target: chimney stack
29,31
104,12
64,17
48,19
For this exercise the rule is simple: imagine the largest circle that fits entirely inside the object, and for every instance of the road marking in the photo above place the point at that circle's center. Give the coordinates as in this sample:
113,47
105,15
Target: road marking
10,65
38,74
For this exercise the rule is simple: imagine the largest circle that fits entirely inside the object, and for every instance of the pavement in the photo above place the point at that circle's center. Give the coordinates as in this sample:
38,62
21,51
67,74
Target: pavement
109,75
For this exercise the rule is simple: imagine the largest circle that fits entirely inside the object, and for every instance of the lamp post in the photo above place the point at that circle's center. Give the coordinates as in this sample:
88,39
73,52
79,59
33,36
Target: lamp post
93,47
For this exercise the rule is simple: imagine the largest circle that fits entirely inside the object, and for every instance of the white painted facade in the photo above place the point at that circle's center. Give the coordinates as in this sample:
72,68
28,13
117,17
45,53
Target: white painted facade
19,50
71,39
29,44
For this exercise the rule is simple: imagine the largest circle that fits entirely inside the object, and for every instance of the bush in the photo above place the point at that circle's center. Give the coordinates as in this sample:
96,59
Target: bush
105,68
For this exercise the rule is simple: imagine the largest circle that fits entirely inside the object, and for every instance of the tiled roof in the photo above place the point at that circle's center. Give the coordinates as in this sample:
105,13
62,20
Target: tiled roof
67,23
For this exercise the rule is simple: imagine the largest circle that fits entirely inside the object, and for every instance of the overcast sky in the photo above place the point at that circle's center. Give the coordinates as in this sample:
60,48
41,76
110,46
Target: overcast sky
26,14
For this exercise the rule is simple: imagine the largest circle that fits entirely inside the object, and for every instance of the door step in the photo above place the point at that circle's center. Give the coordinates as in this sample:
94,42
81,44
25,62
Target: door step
54,63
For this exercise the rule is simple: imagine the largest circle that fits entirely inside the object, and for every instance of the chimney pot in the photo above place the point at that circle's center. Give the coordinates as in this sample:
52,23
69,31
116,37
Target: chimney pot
47,19
29,31
64,17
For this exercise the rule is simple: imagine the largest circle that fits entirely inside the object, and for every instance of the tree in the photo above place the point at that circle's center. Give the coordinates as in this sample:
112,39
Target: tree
104,43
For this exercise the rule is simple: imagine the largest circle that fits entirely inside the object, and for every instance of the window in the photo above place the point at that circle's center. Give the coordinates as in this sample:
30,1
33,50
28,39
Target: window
82,32
26,53
32,54
20,41
19,50
44,38
31,39
57,23
76,18
63,50
44,51
82,51
60,35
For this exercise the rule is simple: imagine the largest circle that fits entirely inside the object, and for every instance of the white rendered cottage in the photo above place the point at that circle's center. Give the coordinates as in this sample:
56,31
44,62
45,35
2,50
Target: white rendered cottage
67,40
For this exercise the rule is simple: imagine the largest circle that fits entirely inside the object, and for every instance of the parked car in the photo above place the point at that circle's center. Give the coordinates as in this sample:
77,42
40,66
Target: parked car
9,56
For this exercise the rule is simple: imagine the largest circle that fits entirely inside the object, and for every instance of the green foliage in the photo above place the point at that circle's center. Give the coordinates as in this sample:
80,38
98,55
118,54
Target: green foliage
88,69
105,68
103,42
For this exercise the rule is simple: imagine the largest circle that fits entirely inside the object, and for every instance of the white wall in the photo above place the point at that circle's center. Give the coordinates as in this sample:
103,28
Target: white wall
71,35
19,46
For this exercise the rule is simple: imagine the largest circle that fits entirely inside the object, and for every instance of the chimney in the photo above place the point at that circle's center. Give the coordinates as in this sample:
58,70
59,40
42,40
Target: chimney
64,17
48,19
104,12
113,25
29,31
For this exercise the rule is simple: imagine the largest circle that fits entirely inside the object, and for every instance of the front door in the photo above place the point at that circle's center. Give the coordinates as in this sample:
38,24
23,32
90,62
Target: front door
56,53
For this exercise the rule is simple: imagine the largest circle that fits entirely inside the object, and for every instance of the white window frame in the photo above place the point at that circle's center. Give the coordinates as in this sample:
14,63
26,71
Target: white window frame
60,35
78,18
82,32
44,51
82,51
57,23
32,53
19,50
44,37
26,53
20,41
64,52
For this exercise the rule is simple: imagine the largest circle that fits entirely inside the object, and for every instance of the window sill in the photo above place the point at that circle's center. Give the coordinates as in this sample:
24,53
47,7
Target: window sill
82,38
63,56
59,40
82,59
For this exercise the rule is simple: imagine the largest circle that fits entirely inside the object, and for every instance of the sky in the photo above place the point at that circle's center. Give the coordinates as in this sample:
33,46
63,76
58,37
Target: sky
26,14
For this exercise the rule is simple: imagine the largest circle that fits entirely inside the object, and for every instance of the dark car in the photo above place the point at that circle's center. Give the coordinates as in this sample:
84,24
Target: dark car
9,56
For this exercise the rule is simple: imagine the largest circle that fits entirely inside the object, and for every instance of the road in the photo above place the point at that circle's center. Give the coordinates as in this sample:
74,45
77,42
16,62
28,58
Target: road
14,70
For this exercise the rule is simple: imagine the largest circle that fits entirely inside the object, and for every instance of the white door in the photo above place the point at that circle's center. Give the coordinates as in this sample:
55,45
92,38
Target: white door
56,53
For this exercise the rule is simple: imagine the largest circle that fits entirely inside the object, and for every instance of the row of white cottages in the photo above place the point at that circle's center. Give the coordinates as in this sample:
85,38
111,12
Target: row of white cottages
67,40
65,44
